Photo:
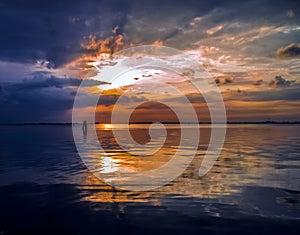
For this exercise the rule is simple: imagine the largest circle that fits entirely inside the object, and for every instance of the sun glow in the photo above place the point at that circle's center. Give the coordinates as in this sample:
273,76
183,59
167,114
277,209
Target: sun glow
107,126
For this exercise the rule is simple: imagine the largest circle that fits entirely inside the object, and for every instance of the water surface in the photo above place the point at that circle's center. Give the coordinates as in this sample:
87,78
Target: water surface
254,187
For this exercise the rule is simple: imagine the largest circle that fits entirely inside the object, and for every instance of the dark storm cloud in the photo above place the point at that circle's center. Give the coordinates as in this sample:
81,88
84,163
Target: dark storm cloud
53,30
289,51
39,83
32,105
41,98
46,98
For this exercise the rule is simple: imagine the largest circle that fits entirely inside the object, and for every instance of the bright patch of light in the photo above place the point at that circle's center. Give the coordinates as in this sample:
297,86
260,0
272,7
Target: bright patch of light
131,77
108,166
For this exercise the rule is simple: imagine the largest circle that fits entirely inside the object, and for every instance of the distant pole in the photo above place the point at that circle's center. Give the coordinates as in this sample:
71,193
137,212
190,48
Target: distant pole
84,128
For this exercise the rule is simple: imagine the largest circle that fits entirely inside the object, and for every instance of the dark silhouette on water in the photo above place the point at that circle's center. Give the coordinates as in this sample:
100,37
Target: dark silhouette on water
84,128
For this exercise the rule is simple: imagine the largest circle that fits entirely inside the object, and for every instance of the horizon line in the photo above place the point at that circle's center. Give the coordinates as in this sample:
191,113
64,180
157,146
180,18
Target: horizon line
137,123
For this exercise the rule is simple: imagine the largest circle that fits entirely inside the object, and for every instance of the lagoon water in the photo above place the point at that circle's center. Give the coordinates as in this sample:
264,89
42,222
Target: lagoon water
253,188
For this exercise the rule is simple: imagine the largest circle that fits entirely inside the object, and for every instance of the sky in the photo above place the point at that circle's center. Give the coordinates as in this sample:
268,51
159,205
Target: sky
47,48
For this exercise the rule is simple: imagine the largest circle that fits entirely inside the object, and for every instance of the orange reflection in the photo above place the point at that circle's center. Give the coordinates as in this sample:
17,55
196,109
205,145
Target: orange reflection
238,165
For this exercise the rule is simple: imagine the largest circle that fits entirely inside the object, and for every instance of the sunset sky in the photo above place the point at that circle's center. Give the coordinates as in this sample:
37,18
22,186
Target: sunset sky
251,49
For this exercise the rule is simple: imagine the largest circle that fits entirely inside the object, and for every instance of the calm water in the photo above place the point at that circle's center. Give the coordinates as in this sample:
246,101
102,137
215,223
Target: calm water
254,187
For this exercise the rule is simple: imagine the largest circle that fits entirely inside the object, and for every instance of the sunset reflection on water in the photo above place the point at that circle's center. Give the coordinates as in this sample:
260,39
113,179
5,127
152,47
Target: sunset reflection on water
252,156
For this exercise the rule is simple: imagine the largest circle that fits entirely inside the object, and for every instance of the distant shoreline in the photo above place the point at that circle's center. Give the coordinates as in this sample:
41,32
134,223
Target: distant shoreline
139,123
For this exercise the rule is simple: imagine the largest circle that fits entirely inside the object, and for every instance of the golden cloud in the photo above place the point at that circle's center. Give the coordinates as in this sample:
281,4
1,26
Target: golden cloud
109,45
158,43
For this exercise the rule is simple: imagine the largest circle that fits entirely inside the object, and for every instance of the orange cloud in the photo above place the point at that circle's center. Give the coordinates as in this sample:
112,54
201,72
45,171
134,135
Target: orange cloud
109,45
101,49
158,43
215,29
